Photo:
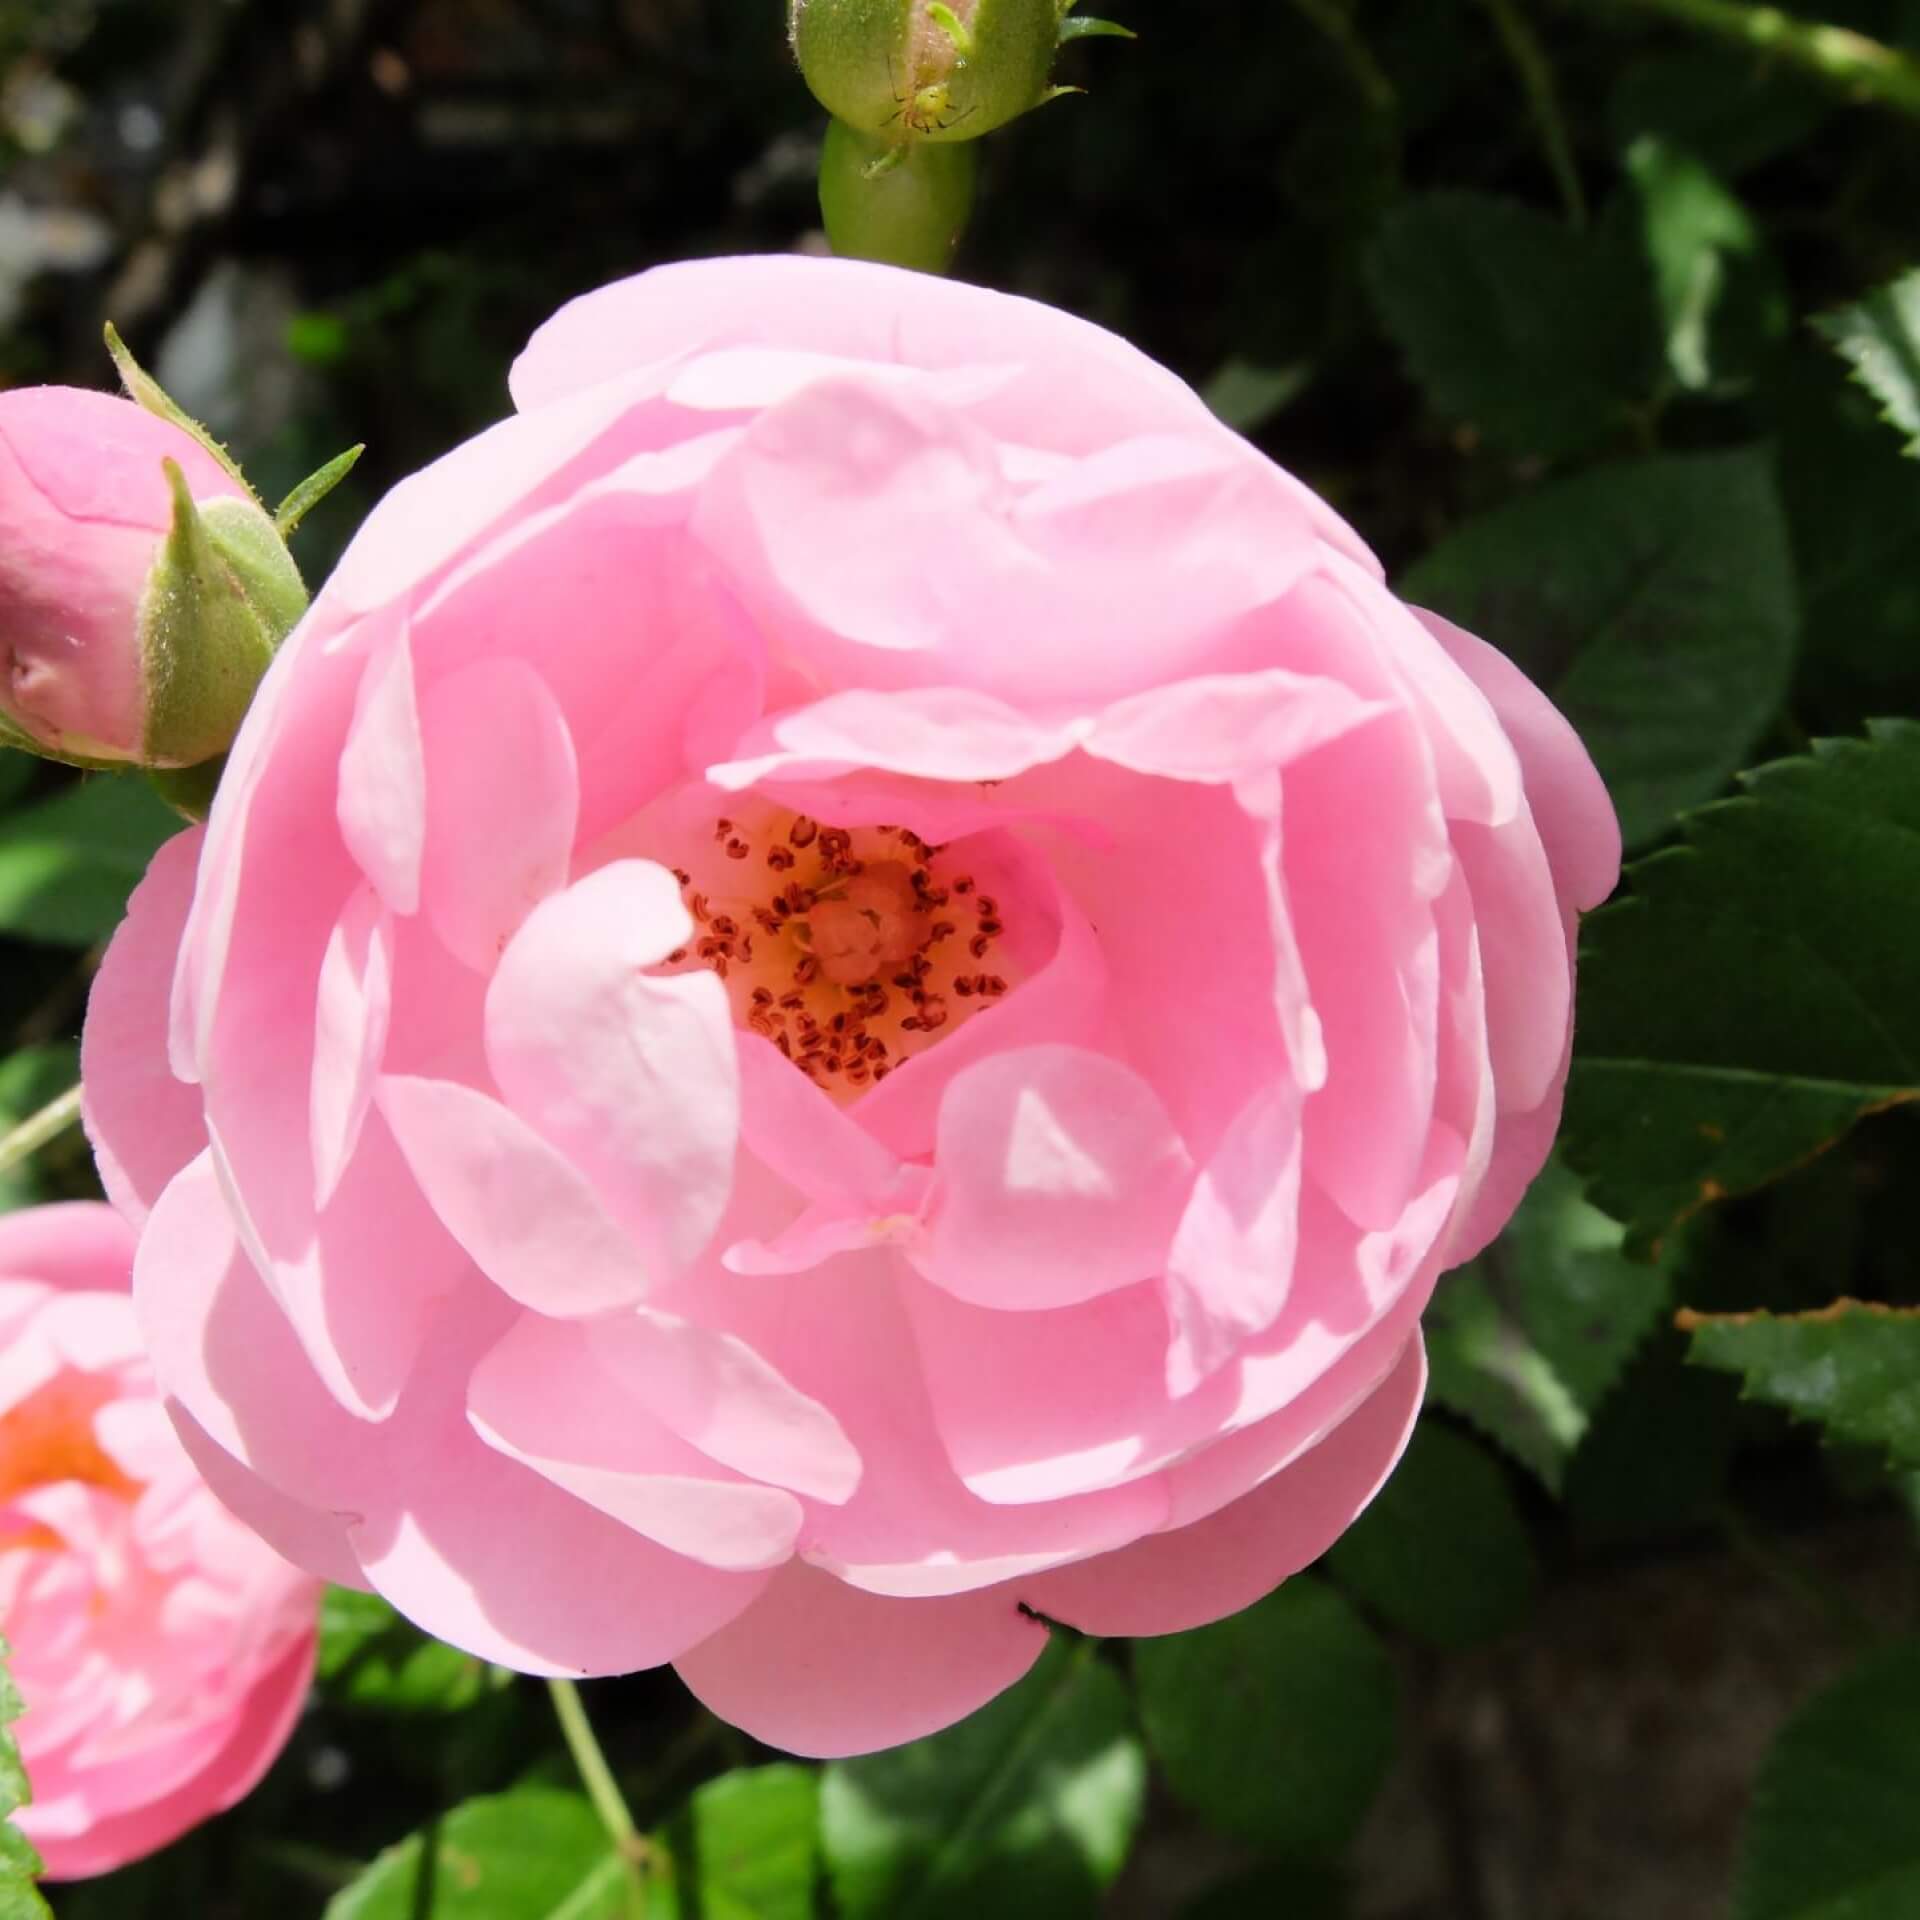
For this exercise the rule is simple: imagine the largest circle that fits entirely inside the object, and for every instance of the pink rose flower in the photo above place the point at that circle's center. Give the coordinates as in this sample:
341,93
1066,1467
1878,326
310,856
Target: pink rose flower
163,1652
847,989
83,506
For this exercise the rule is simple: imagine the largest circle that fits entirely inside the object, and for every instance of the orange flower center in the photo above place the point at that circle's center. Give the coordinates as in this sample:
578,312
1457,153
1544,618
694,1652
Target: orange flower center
49,1437
851,949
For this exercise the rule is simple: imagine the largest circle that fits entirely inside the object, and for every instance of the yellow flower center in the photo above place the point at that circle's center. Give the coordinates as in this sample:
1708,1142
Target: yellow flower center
851,949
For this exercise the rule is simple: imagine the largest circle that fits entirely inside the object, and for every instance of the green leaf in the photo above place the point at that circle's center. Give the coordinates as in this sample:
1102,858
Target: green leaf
1529,1339
1722,302
1442,1553
536,1853
1880,339
67,864
1853,1367
746,1847
16,774
1277,1724
19,1864
1246,395
1754,996
29,1080
1831,1834
370,1657
1654,599
1513,322
1087,28
1734,110
1026,1809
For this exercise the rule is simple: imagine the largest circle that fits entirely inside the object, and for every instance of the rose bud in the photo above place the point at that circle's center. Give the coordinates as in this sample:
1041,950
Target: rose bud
162,1651
903,71
843,998
142,589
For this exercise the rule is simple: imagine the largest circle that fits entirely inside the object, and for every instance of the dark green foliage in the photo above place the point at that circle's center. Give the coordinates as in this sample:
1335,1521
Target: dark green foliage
1026,1810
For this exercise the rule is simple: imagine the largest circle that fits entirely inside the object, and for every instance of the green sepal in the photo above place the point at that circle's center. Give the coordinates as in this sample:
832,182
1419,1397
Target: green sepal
904,205
1088,28
953,27
146,391
188,791
222,594
312,490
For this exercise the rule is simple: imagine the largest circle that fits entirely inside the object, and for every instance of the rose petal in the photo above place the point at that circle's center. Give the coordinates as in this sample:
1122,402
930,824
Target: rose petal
1058,1177
503,801
350,1034
821,1669
632,1077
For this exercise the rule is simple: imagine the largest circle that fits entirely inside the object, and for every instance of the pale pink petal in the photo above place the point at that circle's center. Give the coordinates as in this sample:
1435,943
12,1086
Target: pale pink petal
540,1398
814,1144
74,1243
251,1746
631,1076
1232,1262
875,313
932,733
1171,1582
503,803
1222,726
350,1034
1058,1177
716,1392
1569,802
819,1668
144,1124
382,799
524,1213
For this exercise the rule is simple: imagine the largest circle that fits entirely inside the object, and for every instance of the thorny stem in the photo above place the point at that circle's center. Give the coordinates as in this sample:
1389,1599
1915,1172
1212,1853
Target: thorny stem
1848,61
603,1790
39,1129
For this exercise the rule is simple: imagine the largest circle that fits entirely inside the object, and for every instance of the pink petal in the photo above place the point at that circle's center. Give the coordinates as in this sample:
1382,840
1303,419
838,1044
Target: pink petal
1569,802
1232,1262
74,1243
717,1393
524,1213
144,1124
382,799
350,1034
1222,726
539,1398
1059,1177
931,733
1170,1582
362,1283
630,1076
853,310
818,1668
497,1559
503,801
311,1537
806,1138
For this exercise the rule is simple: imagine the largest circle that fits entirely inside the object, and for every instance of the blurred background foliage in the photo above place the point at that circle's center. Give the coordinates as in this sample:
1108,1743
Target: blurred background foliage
1528,289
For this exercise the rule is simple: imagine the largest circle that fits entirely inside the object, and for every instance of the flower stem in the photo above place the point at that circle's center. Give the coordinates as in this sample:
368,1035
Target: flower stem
1849,61
39,1129
602,1789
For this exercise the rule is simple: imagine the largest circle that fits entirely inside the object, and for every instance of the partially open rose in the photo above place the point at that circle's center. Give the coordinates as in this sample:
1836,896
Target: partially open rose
163,1652
846,989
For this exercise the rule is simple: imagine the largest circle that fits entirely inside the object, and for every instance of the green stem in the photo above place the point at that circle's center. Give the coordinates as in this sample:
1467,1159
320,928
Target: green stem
1368,76
38,1129
602,1789
1849,61
1530,62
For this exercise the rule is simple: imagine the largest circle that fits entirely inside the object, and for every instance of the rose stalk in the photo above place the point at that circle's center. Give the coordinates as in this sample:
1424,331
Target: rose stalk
911,86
